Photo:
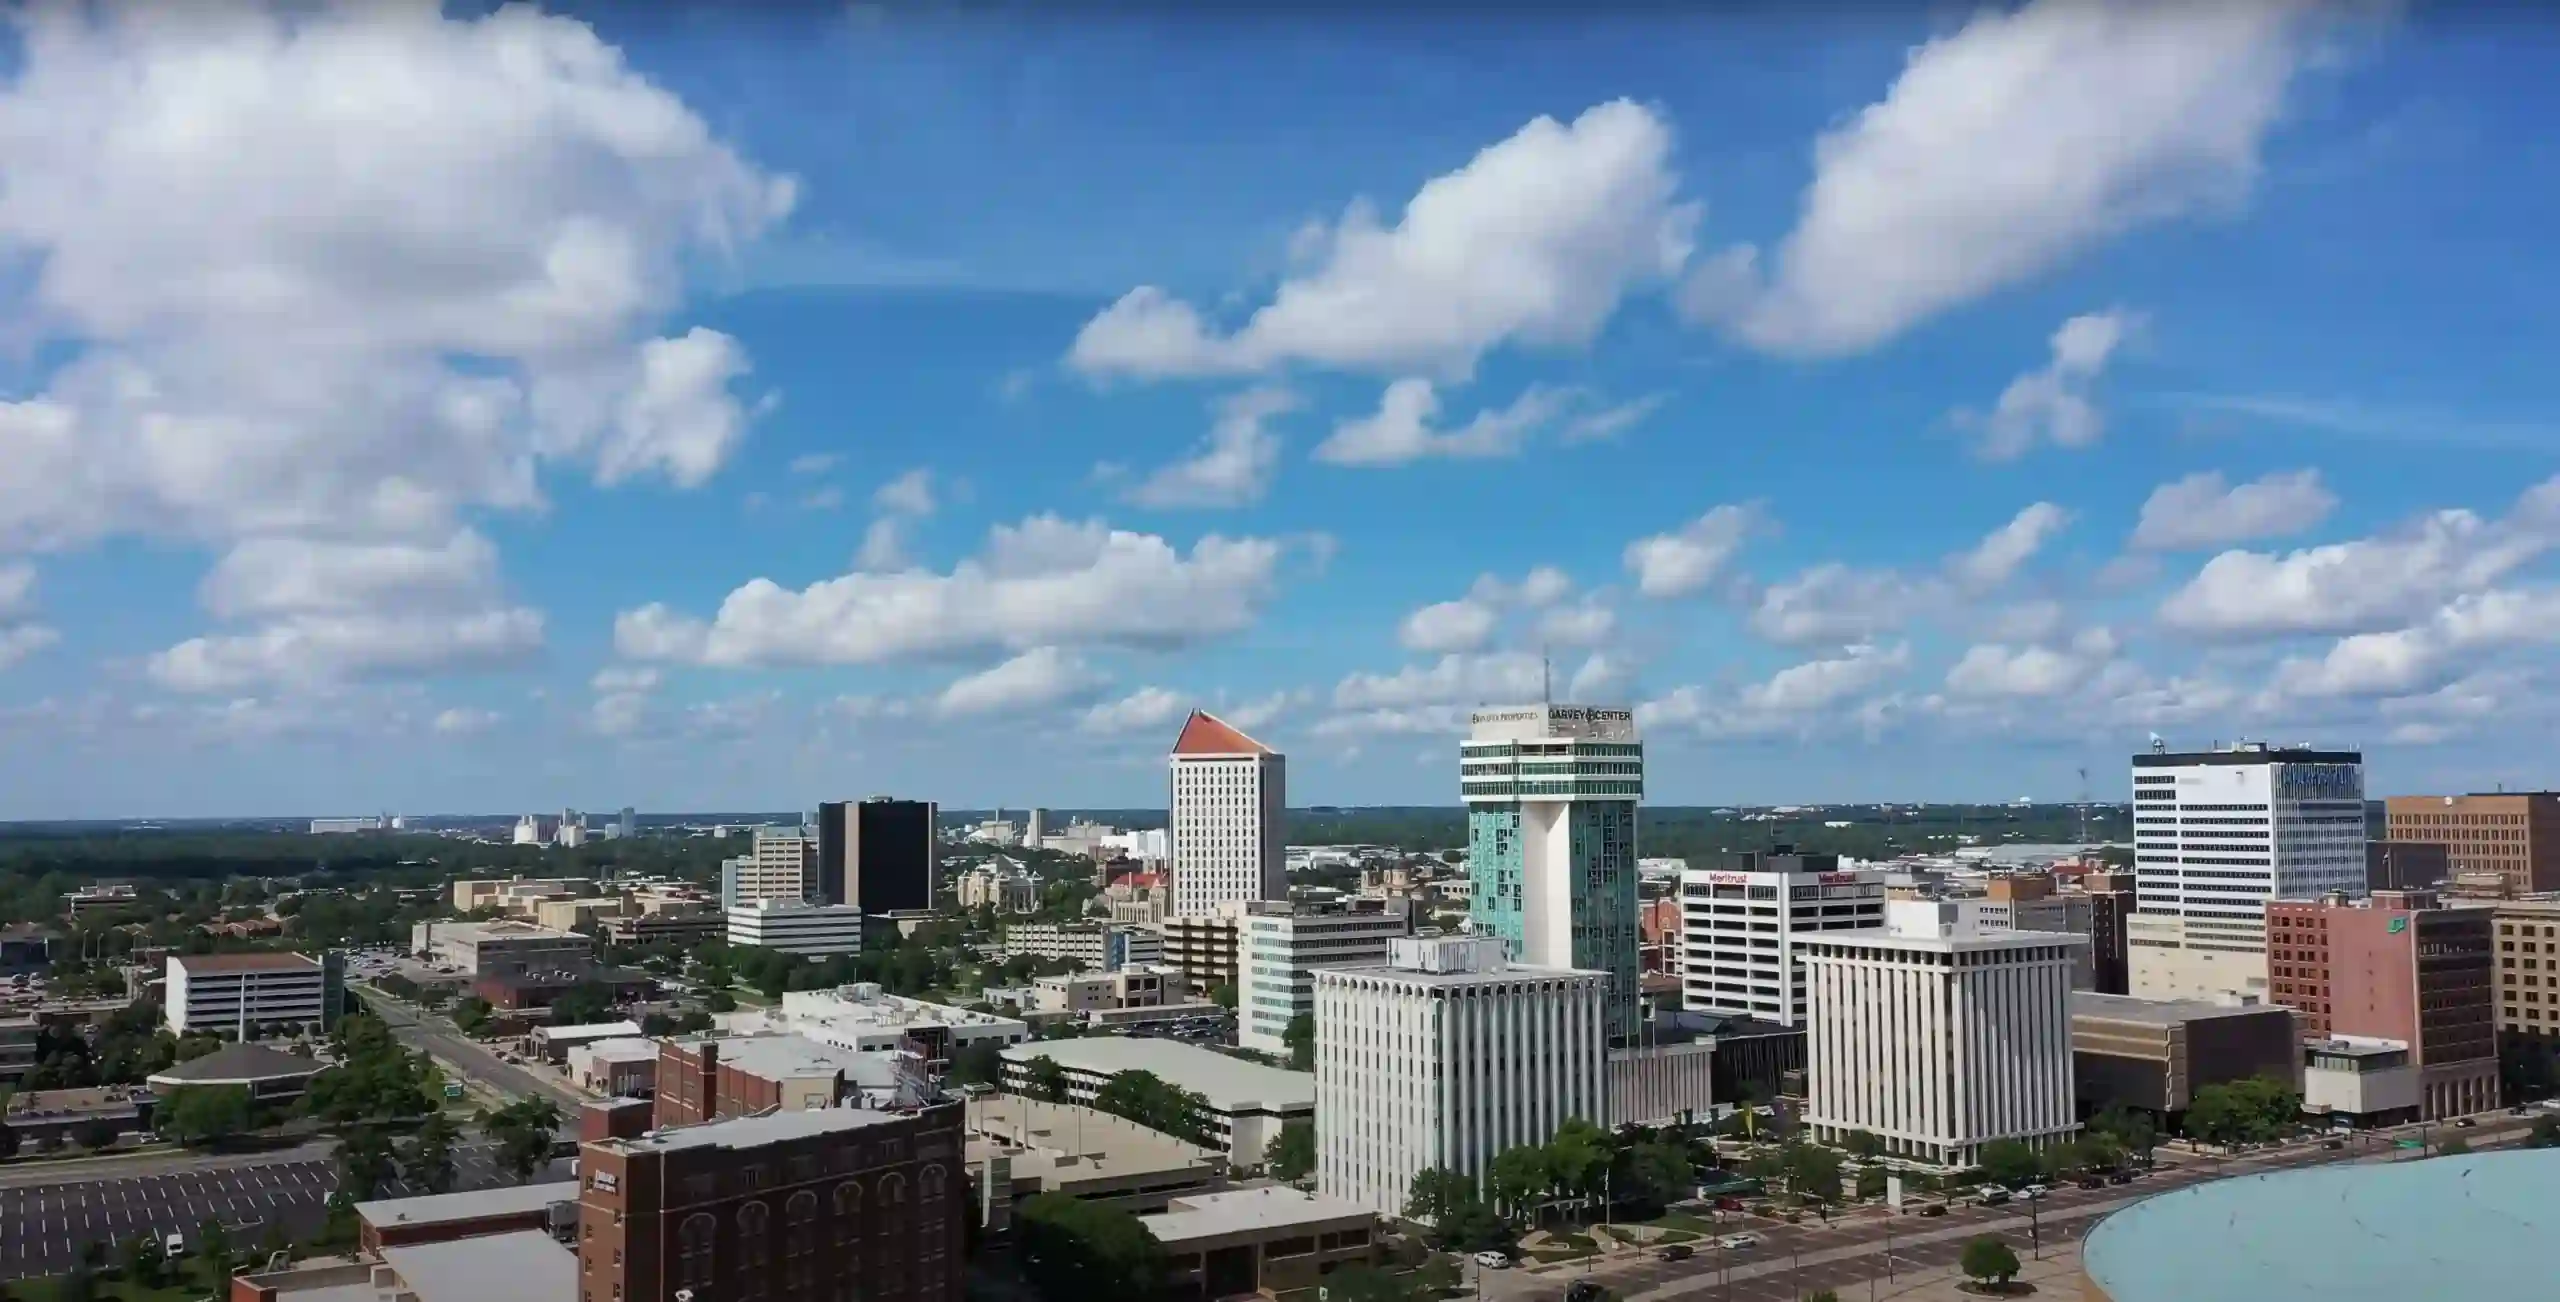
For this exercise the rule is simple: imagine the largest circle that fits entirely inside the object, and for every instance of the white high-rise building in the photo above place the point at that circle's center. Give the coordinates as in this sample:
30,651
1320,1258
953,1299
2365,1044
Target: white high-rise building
1939,1041
1035,829
1284,944
782,866
1229,814
528,831
1444,1056
1742,923
2216,835
1551,794
794,927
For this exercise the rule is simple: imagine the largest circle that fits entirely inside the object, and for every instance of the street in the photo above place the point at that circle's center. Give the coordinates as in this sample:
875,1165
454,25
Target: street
1791,1261
438,1039
43,1226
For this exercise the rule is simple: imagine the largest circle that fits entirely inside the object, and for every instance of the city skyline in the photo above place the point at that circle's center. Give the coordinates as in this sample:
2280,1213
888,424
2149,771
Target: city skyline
886,399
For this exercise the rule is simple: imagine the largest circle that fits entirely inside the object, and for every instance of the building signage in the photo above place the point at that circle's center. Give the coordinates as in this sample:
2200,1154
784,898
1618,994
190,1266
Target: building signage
2321,781
1839,879
606,1181
1730,879
1557,722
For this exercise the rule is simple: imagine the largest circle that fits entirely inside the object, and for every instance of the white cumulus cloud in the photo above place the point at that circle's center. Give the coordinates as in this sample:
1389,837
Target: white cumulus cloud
1038,678
1234,466
1402,430
2053,404
2205,510
1687,560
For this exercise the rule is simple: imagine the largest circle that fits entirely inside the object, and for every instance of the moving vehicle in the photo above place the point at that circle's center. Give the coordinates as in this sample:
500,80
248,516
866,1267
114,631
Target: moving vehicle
1737,1242
1675,1252
2033,1192
2465,1122
1993,1195
1492,1261
1933,1209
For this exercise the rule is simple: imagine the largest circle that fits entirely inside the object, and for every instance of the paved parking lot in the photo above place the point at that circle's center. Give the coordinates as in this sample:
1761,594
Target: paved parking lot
43,1227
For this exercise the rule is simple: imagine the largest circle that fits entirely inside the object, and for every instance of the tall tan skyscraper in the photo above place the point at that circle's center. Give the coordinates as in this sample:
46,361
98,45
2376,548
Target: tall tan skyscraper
1228,818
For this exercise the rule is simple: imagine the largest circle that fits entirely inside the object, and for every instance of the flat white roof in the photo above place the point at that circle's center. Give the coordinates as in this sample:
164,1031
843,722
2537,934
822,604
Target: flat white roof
1268,1207
589,1031
753,1132
1962,943
630,1050
493,929
433,1209
1229,1084
523,1266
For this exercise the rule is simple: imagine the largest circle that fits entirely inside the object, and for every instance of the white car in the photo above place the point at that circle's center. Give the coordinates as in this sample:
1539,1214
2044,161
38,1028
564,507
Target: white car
1493,1261
1737,1242
2033,1192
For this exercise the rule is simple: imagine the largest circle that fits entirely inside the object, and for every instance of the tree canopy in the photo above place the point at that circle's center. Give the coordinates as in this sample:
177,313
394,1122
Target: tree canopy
1145,1098
1988,1260
1072,1250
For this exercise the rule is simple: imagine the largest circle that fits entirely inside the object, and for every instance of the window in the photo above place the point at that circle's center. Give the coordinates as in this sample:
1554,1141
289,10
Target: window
694,1239
753,1220
929,1183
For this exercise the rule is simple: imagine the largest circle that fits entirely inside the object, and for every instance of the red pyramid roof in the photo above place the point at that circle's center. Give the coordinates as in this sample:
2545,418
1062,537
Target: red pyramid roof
1207,734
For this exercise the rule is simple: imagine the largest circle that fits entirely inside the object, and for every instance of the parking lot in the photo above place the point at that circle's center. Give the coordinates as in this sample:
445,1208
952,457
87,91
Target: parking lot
43,1227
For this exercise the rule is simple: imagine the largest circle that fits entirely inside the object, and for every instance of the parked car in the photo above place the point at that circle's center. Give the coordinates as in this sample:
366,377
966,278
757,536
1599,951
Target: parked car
1676,1252
1492,1261
1993,1195
2093,1182
1737,1242
2465,1122
2033,1192
1933,1209
2333,1144
2121,1177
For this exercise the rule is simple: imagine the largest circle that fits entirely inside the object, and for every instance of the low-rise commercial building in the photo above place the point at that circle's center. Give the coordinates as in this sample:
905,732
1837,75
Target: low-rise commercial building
2529,984
793,927
864,1016
2362,1081
443,1218
1248,1103
710,1077
502,948
269,1075
1939,1042
835,1203
1445,1055
617,1069
1020,1146
19,1033
1269,1240
553,1043
2154,1054
516,896
2407,865
680,929
233,993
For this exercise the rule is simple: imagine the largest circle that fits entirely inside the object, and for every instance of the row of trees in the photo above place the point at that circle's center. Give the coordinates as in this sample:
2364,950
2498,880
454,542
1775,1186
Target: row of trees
1637,1169
1139,1096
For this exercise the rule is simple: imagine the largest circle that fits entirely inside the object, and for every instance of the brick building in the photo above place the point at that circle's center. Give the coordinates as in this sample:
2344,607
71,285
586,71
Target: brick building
709,1078
2397,966
2516,836
2111,901
2529,985
833,1203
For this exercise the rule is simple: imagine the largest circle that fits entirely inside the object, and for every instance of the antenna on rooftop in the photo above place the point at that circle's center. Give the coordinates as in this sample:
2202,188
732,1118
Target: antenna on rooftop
1546,677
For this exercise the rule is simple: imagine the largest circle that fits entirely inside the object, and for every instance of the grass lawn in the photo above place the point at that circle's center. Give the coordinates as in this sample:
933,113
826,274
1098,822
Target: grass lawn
1683,1221
1565,1247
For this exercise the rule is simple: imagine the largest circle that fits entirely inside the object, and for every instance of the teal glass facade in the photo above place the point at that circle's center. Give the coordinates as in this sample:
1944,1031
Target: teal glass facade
1574,802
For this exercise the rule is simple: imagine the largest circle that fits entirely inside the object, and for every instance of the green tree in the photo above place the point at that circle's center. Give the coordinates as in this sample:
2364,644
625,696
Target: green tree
8,1143
2132,1131
81,1285
1651,1175
1578,1157
427,1161
364,1162
981,1063
1862,1145
1871,1182
1516,1178
1299,1038
2545,1133
523,1130
2008,1162
1361,1282
1046,1080
99,1134
583,1004
471,1014
214,1247
1145,1098
1822,1295
142,1260
203,1114
1071,1250
1435,1193
1223,995
1989,1261
1292,1154
1813,1172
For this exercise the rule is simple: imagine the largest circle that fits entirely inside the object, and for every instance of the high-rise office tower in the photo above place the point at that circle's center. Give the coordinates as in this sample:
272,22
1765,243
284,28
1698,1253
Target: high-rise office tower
627,824
1551,794
2514,835
878,855
1035,829
1228,817
2219,833
1743,918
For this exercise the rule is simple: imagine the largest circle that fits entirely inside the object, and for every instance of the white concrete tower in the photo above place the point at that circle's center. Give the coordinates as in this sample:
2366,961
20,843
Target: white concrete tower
1228,818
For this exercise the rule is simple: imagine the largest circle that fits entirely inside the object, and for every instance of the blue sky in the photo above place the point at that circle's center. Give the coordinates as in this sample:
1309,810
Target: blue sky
468,411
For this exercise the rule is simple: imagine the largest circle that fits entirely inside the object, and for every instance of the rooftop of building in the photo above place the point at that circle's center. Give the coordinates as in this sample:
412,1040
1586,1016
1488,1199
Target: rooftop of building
522,1266
635,1049
1062,1143
237,1064
1263,1208
437,1209
2449,1227
587,1031
752,1132
483,930
2246,752
96,1100
1450,961
2160,1012
787,1057
1206,734
209,964
1976,942
1229,1084
864,1003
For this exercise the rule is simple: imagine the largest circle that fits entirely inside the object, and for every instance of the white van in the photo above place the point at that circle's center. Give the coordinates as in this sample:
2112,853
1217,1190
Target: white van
174,1246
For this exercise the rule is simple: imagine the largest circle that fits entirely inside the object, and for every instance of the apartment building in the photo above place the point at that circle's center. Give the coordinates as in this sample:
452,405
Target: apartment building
1206,948
2515,835
2399,966
2528,939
